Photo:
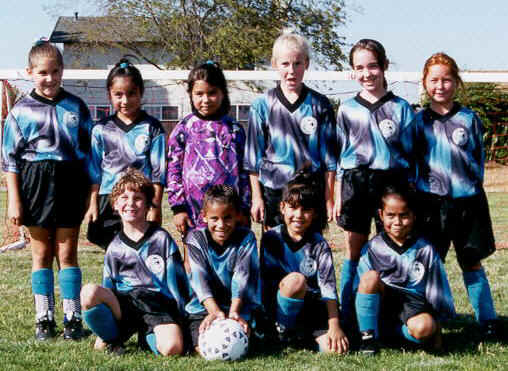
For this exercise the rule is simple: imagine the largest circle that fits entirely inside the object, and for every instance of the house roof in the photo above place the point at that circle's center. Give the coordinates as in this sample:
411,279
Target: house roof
89,29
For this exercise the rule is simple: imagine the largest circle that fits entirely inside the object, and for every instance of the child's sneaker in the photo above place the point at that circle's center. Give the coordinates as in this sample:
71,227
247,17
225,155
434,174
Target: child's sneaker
45,329
490,330
73,328
368,345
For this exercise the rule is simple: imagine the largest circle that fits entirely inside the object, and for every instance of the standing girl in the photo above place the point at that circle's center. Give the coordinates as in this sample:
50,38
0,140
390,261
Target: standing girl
374,138
449,176
205,148
46,140
291,128
128,138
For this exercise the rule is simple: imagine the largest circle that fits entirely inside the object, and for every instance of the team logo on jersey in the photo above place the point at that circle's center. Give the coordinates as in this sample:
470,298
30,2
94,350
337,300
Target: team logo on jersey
459,136
388,128
308,125
141,143
155,263
416,272
308,266
71,119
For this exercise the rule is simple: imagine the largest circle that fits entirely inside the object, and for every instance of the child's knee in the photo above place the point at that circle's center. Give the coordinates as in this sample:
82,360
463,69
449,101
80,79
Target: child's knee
171,347
422,326
88,295
293,285
370,283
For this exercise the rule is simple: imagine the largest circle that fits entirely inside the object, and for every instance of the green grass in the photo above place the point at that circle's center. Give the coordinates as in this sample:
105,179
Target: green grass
19,350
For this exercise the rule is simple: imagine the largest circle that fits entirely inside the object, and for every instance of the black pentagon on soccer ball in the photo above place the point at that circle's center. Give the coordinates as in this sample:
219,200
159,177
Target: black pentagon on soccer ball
228,339
216,350
225,356
224,346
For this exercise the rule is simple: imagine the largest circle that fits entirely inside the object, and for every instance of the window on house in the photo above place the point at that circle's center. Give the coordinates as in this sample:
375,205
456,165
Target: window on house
169,113
240,113
153,110
98,112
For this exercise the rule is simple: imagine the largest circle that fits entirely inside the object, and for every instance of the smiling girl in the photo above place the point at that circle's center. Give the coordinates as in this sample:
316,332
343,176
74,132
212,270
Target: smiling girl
128,138
374,134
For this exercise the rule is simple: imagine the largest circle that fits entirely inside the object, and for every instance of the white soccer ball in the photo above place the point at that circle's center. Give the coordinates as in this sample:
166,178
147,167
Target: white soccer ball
225,340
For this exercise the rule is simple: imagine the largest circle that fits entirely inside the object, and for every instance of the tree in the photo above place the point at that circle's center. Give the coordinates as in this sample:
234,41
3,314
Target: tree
236,33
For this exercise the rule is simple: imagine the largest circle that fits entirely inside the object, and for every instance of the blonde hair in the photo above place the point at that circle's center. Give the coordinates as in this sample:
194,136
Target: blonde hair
44,48
293,41
445,60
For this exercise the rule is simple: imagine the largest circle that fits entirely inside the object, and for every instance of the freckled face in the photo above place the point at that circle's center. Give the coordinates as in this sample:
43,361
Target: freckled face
440,84
291,64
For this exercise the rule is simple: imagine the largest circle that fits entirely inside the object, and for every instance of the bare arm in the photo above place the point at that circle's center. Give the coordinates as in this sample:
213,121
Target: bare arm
15,206
92,212
257,210
155,212
329,185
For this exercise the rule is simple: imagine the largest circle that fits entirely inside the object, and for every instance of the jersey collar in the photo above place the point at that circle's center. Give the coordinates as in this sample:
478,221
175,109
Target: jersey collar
398,249
291,107
122,125
374,106
52,102
430,115
136,245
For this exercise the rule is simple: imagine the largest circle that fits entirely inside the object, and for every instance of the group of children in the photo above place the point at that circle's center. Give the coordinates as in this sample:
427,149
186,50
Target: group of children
418,176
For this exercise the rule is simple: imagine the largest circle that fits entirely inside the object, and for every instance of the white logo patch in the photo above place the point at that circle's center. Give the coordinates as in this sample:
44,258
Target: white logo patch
416,272
308,125
71,119
155,263
388,128
459,136
141,143
308,267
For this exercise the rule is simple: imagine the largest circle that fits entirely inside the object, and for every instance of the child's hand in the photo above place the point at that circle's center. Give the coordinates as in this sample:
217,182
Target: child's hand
182,222
15,212
207,321
92,213
236,317
337,340
257,210
154,215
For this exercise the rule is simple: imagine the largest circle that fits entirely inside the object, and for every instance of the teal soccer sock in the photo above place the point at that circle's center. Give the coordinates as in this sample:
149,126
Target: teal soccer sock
70,287
347,276
478,290
42,288
367,311
408,336
287,310
101,321
152,343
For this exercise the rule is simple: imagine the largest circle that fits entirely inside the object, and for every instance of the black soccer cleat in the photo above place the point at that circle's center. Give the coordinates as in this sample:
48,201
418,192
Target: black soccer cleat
45,329
490,330
73,329
115,349
369,345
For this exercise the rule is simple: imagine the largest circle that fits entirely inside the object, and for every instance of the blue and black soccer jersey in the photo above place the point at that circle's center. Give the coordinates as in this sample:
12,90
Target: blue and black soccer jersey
377,135
414,267
450,156
117,146
39,129
223,272
153,263
311,257
283,138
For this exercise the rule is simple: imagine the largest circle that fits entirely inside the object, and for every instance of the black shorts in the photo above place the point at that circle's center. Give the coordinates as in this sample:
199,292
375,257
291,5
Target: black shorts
142,310
361,197
105,228
398,306
53,193
464,221
272,199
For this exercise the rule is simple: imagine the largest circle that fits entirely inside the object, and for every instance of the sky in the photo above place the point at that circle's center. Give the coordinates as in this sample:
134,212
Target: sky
475,33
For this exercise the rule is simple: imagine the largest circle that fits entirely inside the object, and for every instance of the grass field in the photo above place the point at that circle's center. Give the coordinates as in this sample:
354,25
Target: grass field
463,351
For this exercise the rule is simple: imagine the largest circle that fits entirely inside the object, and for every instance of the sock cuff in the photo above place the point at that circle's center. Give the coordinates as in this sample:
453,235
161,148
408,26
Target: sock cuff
43,282
472,277
408,336
101,321
152,343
